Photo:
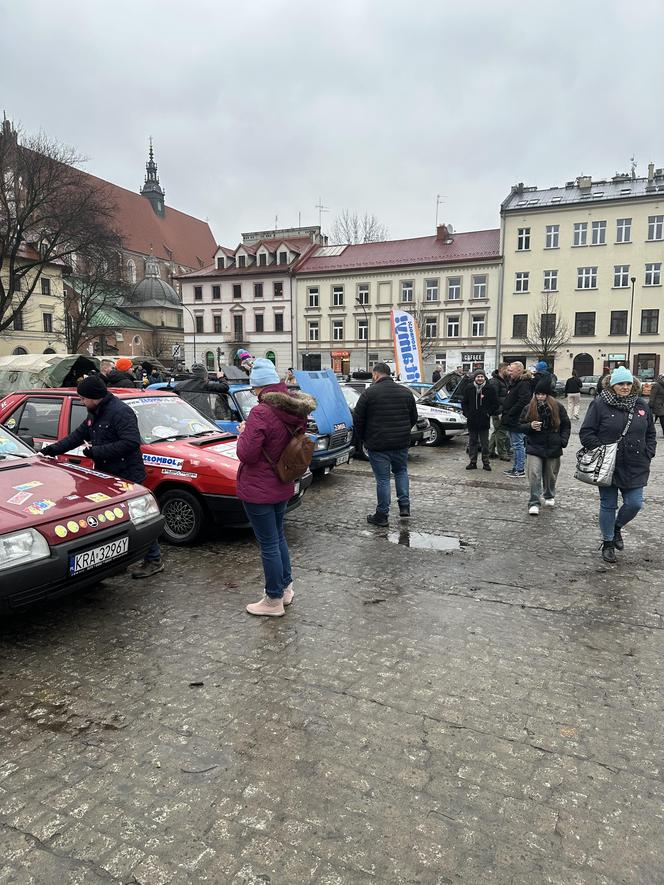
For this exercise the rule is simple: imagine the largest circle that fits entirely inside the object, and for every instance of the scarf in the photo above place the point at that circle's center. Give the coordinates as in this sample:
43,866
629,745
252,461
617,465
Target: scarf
544,414
479,394
623,403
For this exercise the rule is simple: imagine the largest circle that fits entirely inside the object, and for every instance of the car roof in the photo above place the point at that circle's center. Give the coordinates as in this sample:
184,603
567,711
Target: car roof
120,392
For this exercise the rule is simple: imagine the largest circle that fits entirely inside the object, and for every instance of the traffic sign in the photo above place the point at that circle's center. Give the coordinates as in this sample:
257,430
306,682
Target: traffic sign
175,350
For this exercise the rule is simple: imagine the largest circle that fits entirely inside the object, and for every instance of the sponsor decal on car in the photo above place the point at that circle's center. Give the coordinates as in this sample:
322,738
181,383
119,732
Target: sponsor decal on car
98,497
60,531
163,461
28,485
89,471
179,473
123,485
38,507
19,498
72,498
228,449
72,526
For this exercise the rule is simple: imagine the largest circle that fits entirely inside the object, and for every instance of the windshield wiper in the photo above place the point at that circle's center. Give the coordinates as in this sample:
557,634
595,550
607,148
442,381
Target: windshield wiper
4,455
205,432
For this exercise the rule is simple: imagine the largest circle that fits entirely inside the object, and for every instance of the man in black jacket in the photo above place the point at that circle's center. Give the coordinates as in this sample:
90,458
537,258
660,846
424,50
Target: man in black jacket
479,403
112,439
499,441
195,390
384,416
519,394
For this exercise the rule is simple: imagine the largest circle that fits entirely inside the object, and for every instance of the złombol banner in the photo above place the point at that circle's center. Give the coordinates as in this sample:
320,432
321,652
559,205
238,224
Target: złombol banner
407,349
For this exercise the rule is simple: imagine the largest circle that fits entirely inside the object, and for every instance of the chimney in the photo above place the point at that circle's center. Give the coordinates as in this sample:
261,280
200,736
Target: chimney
651,173
441,233
584,182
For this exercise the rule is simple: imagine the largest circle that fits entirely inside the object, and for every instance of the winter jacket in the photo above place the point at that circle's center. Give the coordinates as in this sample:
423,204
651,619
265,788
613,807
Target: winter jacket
112,431
656,400
384,416
269,427
120,379
550,379
604,424
500,385
519,394
436,375
547,442
478,405
196,392
573,385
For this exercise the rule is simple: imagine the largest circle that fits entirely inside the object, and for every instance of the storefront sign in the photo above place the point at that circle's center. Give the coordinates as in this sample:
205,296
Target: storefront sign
473,357
616,356
340,353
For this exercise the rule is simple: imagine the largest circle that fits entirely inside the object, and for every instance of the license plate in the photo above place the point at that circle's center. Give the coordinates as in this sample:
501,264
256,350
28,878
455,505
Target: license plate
343,459
89,559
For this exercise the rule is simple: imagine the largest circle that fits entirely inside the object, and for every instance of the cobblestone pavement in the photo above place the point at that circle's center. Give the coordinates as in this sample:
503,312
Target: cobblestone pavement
492,714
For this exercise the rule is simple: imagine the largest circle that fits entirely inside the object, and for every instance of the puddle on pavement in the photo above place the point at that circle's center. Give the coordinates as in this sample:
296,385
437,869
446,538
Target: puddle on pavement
424,541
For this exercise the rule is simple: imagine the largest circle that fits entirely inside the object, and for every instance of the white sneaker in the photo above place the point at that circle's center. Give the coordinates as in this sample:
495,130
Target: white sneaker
533,511
289,593
549,502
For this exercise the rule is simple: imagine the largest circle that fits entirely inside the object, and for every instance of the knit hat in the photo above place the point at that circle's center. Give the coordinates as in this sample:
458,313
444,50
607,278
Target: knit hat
263,373
124,364
543,386
198,369
542,366
92,387
619,374
479,372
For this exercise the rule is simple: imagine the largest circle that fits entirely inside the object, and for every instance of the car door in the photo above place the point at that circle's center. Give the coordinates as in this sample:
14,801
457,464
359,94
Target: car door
37,418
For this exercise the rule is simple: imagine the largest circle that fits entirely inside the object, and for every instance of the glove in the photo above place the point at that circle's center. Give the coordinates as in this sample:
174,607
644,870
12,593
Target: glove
87,453
47,450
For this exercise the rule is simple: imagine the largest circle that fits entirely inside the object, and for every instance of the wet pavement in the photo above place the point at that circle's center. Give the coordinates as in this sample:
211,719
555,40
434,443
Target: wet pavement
467,696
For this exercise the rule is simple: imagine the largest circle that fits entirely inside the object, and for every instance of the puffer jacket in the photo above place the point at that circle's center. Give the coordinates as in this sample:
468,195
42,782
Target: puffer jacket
547,442
656,400
384,416
605,424
518,396
269,428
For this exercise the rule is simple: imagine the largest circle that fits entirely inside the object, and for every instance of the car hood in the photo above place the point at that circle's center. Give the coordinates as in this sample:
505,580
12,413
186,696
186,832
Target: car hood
331,412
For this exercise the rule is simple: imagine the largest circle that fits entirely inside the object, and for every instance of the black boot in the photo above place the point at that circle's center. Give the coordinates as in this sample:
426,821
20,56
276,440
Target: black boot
471,466
486,466
377,519
618,542
608,551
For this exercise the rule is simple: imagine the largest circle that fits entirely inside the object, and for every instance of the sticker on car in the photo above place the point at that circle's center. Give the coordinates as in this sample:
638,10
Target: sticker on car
163,461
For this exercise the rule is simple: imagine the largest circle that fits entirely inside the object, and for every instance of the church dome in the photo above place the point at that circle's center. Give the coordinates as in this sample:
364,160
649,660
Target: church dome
152,291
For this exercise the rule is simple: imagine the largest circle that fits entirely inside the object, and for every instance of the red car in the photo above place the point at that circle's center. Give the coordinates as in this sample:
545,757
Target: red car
191,465
63,527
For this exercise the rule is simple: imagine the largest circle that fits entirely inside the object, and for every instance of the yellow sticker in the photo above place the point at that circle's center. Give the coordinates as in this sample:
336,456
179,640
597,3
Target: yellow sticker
101,517
118,512
98,497
72,526
60,531
110,516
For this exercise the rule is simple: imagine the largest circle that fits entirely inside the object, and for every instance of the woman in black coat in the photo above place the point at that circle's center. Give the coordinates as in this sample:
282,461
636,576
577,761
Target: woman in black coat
605,421
546,427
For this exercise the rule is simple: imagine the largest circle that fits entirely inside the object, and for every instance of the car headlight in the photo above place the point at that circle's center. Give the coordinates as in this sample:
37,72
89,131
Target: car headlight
143,508
349,436
20,547
322,442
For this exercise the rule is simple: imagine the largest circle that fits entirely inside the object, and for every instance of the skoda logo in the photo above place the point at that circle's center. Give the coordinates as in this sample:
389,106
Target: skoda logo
92,522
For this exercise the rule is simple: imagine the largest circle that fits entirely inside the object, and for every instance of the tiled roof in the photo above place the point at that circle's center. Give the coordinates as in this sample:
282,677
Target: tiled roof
480,245
527,198
176,237
299,245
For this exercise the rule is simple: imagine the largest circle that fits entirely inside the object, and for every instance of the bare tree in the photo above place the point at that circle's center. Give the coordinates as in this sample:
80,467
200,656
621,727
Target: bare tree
428,342
351,227
49,212
546,332
160,346
92,287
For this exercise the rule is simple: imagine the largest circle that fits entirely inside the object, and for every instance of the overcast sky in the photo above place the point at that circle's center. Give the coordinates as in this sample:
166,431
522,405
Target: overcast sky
258,110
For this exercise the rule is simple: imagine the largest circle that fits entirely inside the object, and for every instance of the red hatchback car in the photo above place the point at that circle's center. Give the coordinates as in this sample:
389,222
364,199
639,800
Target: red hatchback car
191,465
64,527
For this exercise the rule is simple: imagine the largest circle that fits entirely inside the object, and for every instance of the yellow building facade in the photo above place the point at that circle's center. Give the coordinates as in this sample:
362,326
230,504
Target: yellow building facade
588,255
40,327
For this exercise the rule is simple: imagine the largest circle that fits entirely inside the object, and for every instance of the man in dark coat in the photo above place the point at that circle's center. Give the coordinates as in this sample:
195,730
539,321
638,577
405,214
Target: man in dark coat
113,441
480,401
499,441
120,375
543,373
519,393
383,417
195,390
436,375
656,400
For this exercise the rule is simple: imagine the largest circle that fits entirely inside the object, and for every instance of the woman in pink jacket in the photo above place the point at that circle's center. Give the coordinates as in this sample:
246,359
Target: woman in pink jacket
268,430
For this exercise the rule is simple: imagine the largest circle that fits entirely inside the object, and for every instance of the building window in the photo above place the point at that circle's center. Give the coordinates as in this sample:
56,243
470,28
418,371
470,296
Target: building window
47,320
431,327
258,290
550,280
552,236
406,290
283,259
216,324
584,323
523,239
131,270
653,274
599,233
649,322
262,259
618,322
312,330
45,286
521,281
242,261
586,278
620,276
199,324
580,234
478,326
548,324
278,290
237,290
198,293
259,322
220,263
278,322
216,293
624,230
363,293
238,327
431,290
519,325
337,330
655,224
454,288
313,299
362,330
18,321
453,327
480,286
337,296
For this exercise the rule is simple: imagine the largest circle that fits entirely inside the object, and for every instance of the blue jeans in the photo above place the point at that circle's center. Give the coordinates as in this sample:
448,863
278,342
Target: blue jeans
395,460
267,521
154,552
608,504
518,450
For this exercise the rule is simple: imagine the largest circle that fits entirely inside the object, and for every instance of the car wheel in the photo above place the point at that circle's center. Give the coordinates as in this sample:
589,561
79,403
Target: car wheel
183,514
437,435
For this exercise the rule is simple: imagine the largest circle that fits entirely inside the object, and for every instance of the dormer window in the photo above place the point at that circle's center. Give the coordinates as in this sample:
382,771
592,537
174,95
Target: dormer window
283,258
220,263
242,261
262,258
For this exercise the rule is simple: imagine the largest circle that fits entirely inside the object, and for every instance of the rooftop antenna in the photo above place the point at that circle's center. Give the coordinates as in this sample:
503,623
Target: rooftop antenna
276,223
439,200
321,209
634,165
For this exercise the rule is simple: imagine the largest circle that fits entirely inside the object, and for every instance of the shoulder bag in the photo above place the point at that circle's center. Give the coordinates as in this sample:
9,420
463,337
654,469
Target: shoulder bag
596,466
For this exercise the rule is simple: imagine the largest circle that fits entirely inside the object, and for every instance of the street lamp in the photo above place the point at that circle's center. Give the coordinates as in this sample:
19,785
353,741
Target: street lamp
366,317
193,320
631,314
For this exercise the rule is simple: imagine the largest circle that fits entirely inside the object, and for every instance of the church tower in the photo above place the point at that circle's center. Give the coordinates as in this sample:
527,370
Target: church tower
152,189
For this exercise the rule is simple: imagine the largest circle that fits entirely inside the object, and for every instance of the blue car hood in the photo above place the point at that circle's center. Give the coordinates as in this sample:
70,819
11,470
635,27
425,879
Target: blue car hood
332,412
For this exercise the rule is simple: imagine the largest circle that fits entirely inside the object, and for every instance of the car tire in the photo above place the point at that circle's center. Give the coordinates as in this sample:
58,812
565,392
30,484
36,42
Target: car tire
438,435
184,516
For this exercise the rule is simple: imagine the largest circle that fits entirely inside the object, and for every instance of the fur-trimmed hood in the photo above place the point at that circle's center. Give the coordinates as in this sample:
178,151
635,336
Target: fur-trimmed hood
300,404
636,385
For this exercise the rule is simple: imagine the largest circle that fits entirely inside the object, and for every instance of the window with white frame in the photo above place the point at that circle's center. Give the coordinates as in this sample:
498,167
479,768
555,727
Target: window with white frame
586,278
363,293
312,330
478,325
655,224
131,270
552,236
431,327
362,330
431,290
313,298
337,330
406,290
580,234
654,274
599,233
337,296
521,281
523,239
453,326
480,286
620,276
550,280
454,288
624,230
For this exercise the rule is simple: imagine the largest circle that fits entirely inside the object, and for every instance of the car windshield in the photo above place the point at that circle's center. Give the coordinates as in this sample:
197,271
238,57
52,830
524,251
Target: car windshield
350,395
168,417
246,400
11,446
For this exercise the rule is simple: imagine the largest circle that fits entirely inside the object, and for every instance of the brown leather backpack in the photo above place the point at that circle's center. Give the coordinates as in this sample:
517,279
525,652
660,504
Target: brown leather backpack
295,459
